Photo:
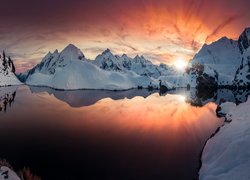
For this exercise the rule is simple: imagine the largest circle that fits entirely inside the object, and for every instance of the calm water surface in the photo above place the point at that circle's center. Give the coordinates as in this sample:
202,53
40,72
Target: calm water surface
132,134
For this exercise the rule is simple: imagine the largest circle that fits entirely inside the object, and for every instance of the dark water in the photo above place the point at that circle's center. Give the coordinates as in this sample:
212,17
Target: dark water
132,134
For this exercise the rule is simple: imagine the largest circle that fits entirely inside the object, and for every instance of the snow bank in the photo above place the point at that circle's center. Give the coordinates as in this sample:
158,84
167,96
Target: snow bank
9,80
7,174
225,108
227,154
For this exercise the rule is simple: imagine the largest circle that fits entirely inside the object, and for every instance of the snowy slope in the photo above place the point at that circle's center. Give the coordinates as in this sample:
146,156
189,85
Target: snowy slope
227,155
229,58
7,72
70,70
7,174
223,56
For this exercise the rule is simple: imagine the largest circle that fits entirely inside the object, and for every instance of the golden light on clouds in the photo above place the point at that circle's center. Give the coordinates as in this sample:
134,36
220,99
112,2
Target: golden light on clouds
160,30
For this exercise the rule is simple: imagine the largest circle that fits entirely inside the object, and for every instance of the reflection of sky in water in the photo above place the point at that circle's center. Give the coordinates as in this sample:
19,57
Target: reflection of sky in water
154,137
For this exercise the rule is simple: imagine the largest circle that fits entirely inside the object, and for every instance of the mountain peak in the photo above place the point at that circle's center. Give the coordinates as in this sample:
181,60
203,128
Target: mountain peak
70,47
49,54
56,52
107,51
72,52
137,57
224,38
244,39
124,55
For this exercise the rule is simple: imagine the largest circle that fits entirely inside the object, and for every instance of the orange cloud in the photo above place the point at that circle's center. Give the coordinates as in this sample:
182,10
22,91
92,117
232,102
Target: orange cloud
161,30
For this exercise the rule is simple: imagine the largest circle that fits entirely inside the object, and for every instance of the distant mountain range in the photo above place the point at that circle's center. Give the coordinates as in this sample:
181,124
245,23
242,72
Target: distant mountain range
224,63
70,69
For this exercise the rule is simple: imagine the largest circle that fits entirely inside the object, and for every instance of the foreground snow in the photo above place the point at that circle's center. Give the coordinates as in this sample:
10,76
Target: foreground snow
7,174
9,80
227,154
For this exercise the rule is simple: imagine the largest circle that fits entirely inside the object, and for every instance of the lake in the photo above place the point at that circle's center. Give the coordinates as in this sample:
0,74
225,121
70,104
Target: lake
97,134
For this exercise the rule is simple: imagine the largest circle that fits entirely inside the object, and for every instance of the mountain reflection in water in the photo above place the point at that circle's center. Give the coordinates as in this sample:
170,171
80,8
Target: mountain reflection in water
132,134
7,97
80,98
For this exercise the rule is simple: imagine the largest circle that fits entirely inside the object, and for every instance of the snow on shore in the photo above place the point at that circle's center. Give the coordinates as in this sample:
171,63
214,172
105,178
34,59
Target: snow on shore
227,154
7,174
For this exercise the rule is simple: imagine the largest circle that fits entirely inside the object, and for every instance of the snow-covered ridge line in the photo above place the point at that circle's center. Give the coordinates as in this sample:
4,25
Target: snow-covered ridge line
226,155
70,70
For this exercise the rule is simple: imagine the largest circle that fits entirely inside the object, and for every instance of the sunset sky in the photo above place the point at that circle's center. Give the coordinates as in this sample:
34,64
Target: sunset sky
161,30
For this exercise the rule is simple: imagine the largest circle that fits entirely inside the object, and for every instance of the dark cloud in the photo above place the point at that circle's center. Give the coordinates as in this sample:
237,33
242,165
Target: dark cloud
222,25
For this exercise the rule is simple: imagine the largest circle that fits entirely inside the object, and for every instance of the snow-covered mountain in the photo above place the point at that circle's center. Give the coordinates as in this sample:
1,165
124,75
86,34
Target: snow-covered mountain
223,56
71,70
7,72
242,77
139,65
229,58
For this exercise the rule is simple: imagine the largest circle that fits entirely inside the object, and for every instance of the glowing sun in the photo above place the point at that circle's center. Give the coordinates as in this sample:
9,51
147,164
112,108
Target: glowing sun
180,64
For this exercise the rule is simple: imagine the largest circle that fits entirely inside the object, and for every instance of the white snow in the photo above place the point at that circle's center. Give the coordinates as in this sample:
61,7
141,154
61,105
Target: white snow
227,155
84,75
7,174
70,70
8,80
179,80
223,56
66,70
138,65
7,77
224,52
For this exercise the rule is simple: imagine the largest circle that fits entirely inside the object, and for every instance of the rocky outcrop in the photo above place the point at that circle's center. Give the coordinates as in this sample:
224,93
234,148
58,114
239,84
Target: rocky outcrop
206,77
